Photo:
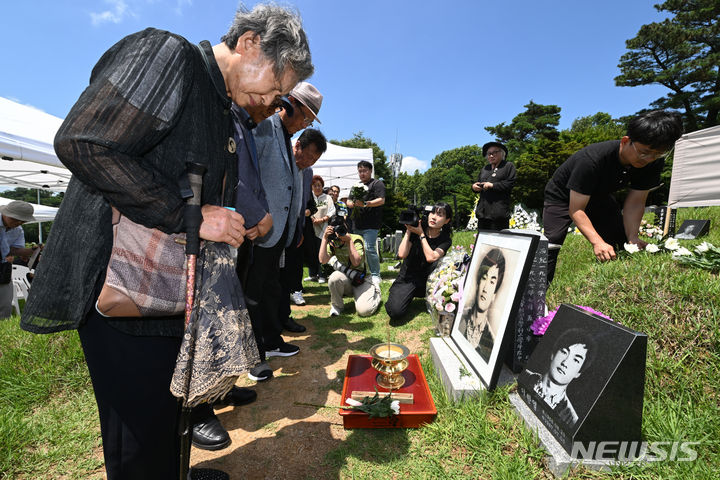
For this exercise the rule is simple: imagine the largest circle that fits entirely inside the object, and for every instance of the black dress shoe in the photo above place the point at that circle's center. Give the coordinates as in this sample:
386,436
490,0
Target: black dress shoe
237,396
292,326
208,474
210,435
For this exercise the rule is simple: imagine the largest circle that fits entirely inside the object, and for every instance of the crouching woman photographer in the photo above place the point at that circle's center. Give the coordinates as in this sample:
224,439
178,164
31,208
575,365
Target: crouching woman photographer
346,254
423,244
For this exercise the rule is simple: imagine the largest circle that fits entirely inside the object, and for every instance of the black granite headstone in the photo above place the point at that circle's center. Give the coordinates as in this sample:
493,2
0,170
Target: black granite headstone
660,216
532,307
585,380
691,229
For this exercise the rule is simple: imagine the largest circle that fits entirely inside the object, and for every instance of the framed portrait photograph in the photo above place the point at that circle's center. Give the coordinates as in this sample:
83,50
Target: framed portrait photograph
492,291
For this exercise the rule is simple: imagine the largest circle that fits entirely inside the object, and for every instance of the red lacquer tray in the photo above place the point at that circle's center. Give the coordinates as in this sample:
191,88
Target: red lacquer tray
360,375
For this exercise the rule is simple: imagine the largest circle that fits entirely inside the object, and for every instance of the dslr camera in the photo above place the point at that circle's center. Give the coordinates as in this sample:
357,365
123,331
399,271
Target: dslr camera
338,224
414,214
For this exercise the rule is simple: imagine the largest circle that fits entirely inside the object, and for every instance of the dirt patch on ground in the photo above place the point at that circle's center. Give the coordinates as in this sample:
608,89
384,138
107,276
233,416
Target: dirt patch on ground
286,433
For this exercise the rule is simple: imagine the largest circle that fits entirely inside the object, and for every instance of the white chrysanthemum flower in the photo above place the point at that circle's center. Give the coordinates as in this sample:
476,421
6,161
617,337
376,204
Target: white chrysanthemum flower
703,247
631,248
652,248
681,251
395,405
672,244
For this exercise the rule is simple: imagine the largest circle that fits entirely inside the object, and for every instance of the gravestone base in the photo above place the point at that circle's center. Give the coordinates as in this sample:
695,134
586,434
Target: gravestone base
558,460
446,358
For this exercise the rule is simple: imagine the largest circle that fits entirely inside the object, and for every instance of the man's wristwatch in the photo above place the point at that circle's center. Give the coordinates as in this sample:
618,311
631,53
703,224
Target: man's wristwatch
422,236
364,204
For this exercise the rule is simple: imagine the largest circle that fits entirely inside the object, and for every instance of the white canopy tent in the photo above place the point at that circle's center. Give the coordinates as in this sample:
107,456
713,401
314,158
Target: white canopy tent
27,157
696,170
338,166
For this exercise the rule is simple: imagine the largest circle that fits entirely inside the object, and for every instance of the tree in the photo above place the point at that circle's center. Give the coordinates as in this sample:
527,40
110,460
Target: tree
536,122
411,187
593,129
681,53
469,158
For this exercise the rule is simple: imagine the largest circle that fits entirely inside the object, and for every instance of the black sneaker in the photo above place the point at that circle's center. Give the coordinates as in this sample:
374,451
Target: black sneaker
208,474
237,396
284,350
260,372
292,326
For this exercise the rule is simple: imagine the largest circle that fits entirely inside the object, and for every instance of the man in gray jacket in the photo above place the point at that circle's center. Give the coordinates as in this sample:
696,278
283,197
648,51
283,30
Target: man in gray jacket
283,189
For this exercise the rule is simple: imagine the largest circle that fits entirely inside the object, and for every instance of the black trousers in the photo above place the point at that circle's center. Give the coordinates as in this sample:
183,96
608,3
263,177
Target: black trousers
401,295
290,278
310,248
262,293
138,415
495,224
603,211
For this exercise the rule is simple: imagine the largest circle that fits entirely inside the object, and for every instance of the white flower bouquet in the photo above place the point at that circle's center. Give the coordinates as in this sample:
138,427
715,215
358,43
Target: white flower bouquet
444,288
649,230
524,220
359,191
706,256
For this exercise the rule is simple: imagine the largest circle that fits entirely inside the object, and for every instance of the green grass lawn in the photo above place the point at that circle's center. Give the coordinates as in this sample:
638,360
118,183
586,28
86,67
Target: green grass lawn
48,422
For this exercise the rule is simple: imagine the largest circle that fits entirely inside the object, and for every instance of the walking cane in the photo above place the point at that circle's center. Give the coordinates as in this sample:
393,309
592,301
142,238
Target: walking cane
193,218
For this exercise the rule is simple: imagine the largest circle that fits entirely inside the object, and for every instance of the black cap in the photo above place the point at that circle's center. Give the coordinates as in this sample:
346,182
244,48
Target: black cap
493,144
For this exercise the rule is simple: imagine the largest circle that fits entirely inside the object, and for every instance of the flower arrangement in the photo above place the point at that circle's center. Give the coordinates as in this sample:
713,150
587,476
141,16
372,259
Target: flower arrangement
524,220
541,324
649,230
444,288
359,191
473,221
706,256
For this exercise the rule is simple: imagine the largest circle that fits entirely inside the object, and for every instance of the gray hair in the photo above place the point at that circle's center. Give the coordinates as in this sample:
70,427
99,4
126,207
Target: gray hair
282,38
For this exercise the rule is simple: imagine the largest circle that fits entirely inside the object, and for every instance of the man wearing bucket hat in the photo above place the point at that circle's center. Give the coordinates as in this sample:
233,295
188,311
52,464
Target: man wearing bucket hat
283,187
12,242
494,184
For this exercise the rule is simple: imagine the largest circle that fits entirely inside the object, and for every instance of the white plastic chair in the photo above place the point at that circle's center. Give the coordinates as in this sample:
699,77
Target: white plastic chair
21,285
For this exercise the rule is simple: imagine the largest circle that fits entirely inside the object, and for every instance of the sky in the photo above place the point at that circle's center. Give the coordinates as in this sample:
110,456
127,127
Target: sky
417,77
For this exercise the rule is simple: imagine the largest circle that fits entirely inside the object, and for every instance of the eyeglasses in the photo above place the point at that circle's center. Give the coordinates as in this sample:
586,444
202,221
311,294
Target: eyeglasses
648,156
493,153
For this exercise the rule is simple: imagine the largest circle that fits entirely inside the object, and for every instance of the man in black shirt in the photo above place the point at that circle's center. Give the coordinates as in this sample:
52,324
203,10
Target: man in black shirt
581,189
368,218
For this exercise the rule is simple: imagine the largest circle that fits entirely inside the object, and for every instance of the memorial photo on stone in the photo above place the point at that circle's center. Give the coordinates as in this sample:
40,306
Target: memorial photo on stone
571,356
491,295
585,380
691,229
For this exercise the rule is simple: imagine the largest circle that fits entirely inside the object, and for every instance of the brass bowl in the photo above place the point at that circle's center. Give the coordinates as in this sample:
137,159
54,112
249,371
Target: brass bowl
390,360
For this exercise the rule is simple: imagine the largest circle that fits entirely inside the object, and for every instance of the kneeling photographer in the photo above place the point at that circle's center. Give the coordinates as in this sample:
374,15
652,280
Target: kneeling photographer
346,254
426,240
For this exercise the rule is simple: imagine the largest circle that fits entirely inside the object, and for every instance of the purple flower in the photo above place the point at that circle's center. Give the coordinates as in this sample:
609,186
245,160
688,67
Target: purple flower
540,325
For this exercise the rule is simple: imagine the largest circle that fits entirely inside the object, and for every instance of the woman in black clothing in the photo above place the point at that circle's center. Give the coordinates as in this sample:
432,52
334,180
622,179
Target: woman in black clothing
421,247
494,184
